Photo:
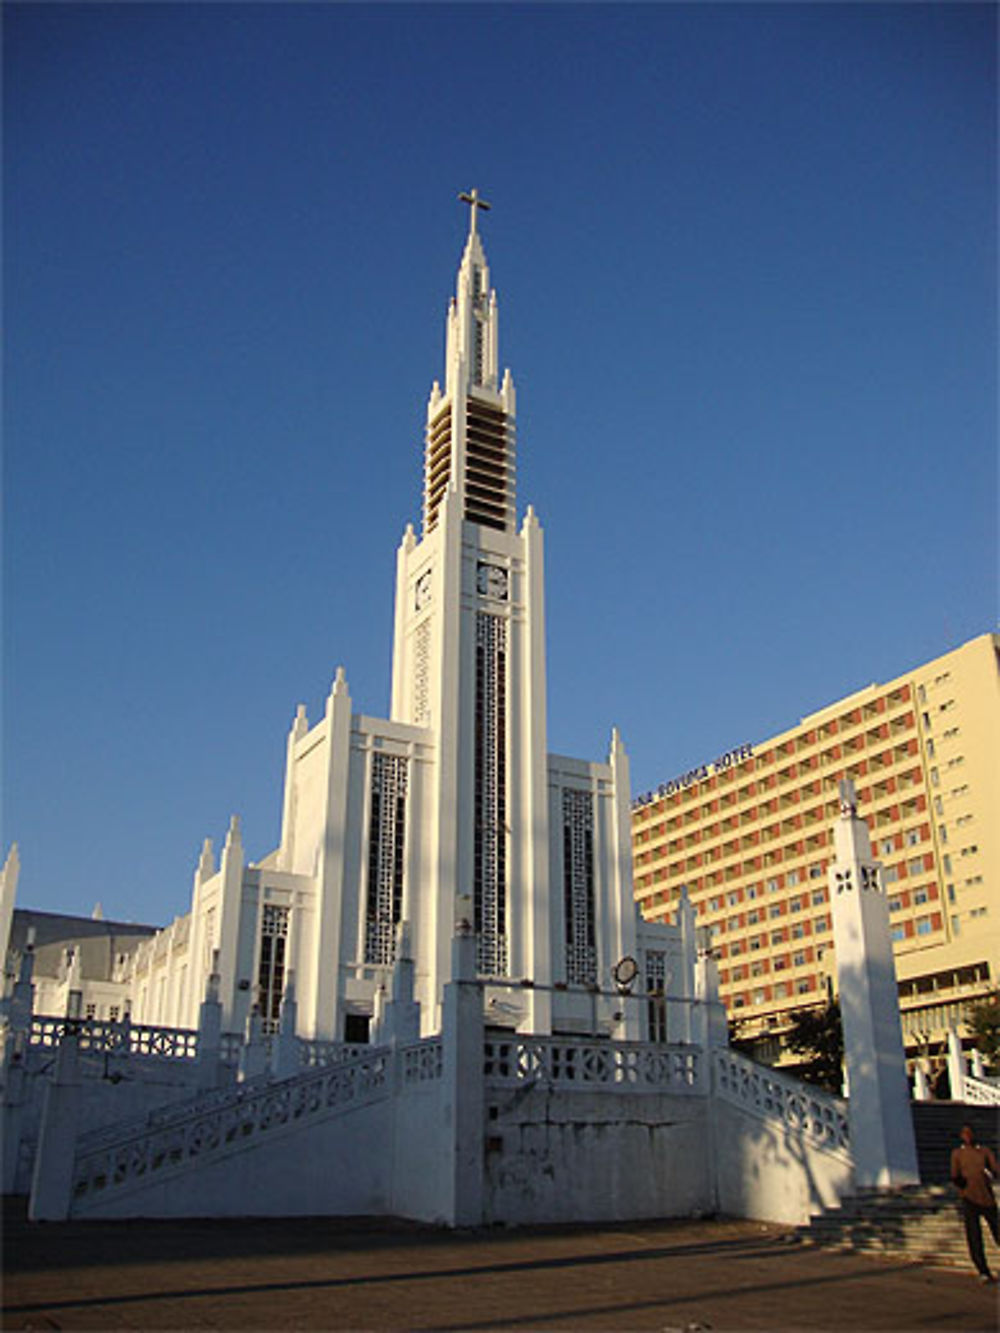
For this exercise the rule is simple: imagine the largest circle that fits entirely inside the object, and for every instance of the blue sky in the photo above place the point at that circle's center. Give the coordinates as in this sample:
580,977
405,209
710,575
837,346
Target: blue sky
746,263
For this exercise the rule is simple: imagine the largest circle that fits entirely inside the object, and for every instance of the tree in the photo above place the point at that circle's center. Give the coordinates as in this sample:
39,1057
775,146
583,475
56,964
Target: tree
983,1018
818,1036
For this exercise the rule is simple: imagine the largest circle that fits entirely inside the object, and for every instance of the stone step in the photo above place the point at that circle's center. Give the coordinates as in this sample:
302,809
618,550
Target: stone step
920,1222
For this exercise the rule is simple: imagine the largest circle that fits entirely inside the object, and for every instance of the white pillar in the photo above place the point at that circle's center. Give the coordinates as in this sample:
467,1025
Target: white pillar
8,892
462,1037
285,1061
956,1067
253,1056
210,1030
400,1023
52,1178
881,1122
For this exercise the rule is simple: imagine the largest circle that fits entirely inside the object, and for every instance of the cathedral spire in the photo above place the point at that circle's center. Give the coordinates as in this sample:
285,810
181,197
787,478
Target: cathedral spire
470,426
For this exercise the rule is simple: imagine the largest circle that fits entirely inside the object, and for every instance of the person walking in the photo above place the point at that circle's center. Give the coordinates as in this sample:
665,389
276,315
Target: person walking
973,1170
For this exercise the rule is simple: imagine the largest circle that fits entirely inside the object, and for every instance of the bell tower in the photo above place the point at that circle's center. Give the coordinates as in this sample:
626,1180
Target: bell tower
468,658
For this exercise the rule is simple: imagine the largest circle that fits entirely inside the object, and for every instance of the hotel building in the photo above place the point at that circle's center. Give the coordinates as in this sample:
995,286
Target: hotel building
750,835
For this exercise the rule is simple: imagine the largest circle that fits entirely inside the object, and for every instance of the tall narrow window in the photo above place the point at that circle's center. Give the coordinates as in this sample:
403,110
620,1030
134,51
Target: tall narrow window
656,987
490,837
271,974
578,884
386,857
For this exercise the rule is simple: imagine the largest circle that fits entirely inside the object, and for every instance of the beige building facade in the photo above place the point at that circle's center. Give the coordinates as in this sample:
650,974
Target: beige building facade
750,835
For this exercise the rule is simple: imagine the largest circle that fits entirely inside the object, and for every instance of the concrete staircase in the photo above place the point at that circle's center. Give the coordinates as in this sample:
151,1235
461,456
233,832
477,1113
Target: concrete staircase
921,1222
918,1222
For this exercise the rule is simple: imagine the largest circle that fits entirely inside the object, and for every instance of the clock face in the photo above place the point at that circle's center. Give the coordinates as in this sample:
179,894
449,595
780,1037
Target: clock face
491,581
422,591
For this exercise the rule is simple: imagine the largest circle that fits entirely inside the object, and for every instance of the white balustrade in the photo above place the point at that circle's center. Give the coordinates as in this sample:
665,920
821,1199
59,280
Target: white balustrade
222,1120
980,1092
98,1036
818,1115
562,1062
422,1062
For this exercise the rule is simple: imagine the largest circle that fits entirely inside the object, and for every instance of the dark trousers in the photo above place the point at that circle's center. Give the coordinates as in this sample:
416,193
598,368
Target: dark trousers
972,1213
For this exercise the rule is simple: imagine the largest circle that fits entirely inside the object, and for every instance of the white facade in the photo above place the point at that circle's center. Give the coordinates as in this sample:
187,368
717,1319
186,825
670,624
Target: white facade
451,809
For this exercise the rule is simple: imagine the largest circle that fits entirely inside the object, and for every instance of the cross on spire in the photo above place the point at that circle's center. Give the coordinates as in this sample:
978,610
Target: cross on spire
473,200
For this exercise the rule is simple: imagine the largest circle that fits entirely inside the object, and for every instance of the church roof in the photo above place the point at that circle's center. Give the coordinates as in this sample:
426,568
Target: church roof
97,943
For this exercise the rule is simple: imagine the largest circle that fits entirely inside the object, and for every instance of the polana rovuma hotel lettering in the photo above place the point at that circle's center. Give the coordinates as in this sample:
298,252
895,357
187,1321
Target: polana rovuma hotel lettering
699,774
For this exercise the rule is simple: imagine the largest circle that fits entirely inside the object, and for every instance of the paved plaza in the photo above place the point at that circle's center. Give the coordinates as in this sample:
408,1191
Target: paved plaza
321,1273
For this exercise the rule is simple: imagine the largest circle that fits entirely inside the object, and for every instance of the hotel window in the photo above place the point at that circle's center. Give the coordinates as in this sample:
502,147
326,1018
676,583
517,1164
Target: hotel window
970,850
912,837
780,964
798,958
781,991
938,805
774,910
915,865
887,846
943,832
736,947
895,904
890,874
792,878
920,896
935,778
758,997
898,933
955,926
977,912
804,985
798,931
739,1002
753,917
922,694
777,936
772,886
752,890
796,905
927,720
755,943
946,862
821,923
951,892
819,896
816,871
923,925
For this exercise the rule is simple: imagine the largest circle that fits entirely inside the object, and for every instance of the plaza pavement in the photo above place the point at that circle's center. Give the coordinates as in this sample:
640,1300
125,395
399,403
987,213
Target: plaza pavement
322,1273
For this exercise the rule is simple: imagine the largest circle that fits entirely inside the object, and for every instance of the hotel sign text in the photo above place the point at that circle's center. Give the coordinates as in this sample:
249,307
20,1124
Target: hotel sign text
699,774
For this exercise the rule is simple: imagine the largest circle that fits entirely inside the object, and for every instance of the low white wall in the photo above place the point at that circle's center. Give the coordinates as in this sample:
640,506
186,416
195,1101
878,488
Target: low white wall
771,1170
595,1156
420,1156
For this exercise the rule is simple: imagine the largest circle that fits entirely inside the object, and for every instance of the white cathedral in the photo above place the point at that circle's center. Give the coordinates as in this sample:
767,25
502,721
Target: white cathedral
436,997
449,811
